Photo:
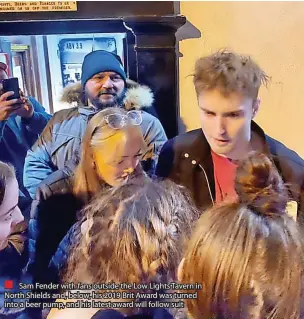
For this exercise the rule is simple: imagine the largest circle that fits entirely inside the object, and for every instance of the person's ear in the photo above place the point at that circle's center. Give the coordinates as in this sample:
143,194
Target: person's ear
255,107
180,270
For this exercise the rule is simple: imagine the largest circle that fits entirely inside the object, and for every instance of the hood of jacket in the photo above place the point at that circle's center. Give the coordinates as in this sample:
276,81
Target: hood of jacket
137,96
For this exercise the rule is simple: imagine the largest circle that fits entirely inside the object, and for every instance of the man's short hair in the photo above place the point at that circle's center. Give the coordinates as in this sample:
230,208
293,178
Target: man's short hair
229,73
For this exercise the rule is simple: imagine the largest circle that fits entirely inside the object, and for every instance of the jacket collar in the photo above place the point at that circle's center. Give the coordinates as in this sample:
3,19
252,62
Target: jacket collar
88,111
255,128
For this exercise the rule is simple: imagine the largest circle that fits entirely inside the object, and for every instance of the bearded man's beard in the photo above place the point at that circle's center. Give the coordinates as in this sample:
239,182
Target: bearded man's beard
117,101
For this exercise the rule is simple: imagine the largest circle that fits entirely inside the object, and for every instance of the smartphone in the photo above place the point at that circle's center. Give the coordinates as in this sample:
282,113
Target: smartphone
11,84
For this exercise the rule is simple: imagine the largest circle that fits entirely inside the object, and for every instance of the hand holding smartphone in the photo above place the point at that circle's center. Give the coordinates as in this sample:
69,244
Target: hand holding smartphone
12,101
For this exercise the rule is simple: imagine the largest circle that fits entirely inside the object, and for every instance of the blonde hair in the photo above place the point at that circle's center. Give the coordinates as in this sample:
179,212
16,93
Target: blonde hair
230,73
248,255
98,135
140,226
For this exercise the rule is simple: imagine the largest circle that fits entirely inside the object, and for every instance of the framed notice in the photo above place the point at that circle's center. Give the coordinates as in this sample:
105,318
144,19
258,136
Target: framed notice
37,6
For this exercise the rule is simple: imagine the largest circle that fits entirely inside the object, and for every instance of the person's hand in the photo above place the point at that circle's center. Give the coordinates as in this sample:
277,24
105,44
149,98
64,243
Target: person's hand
7,108
26,109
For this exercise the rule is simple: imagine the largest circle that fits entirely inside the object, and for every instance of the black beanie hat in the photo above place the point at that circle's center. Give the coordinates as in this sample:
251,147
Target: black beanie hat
101,61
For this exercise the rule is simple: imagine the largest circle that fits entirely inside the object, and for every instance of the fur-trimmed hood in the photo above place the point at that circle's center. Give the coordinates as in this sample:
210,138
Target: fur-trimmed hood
137,96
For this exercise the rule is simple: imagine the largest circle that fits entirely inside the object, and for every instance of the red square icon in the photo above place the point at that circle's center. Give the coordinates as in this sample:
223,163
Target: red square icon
8,284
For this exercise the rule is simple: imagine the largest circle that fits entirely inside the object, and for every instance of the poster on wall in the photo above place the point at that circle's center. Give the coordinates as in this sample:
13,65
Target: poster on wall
73,51
4,59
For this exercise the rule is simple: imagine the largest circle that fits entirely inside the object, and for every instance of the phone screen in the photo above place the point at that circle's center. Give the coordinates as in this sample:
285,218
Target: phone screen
11,84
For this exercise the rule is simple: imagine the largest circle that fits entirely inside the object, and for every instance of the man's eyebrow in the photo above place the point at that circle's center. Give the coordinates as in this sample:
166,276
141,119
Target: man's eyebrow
206,110
234,111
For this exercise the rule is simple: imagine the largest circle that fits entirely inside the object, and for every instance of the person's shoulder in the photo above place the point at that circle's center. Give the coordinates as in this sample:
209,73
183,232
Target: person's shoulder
152,125
63,121
147,117
65,113
285,155
185,140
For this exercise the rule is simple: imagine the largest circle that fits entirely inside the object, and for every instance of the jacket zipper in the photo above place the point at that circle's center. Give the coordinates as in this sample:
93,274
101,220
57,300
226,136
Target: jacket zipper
194,162
208,184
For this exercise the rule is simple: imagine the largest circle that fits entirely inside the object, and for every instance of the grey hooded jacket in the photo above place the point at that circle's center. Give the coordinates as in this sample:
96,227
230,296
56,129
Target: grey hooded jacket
61,139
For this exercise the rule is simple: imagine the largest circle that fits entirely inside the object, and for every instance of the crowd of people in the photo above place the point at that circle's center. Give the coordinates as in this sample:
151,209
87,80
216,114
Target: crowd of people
97,194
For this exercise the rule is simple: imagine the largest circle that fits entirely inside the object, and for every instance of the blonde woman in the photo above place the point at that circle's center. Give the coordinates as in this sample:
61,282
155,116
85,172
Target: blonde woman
112,148
134,234
248,255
